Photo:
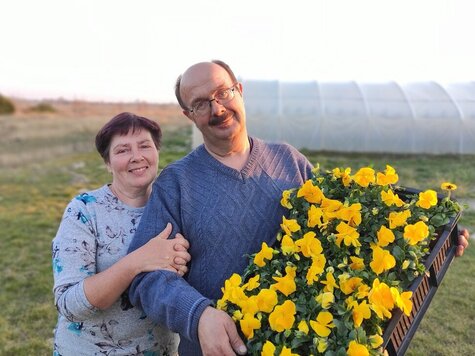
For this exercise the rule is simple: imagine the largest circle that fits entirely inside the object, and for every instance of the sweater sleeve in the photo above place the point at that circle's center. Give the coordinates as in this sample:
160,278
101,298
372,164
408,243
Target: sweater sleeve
165,297
74,250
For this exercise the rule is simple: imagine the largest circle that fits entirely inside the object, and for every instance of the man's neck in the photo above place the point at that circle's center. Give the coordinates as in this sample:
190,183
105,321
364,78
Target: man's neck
234,155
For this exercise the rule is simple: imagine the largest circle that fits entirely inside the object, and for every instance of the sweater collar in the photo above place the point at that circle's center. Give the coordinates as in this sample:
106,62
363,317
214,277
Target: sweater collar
245,172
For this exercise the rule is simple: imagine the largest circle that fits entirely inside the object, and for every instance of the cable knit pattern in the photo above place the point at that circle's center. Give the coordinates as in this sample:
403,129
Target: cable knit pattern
225,214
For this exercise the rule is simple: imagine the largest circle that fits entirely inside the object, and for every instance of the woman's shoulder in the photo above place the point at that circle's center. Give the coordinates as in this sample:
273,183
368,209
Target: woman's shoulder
91,196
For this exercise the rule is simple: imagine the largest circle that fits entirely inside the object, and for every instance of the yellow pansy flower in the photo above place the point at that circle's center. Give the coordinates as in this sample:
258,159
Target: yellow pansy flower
288,245
286,284
361,311
266,300
314,216
349,235
402,300
397,219
310,192
309,245
382,260
268,349
351,214
253,283
248,324
381,299
265,253
344,175
303,327
330,283
356,349
427,199
316,268
389,198
237,315
325,299
364,176
375,341
349,284
287,352
249,305
330,208
363,291
448,186
285,199
385,236
289,225
323,324
283,316
322,345
388,177
416,233
356,263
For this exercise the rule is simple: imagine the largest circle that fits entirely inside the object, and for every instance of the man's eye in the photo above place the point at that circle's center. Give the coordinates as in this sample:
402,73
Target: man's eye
200,105
222,94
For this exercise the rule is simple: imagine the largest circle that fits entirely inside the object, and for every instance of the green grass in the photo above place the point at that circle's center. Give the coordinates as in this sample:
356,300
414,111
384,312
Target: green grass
34,195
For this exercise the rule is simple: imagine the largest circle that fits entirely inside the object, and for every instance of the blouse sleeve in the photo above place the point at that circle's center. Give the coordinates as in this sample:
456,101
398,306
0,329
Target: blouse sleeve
74,259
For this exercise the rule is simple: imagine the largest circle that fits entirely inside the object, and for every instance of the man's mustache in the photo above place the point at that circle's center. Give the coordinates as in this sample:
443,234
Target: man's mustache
218,120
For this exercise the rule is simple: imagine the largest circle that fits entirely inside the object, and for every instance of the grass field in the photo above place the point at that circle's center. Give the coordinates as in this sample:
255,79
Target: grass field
46,161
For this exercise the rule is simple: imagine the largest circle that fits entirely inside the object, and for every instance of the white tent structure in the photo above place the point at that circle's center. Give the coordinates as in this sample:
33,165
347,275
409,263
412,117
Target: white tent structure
363,117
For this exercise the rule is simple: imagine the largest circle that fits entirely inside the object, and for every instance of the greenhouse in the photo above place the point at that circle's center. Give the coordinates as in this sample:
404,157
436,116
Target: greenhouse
389,117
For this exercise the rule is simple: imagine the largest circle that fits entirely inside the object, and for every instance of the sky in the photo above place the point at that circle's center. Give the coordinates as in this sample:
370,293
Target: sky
118,50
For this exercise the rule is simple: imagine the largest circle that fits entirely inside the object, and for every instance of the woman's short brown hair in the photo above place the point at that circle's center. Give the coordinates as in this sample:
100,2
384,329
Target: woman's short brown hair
120,125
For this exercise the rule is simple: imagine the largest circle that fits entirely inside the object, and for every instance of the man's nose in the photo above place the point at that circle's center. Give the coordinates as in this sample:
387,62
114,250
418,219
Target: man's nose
216,107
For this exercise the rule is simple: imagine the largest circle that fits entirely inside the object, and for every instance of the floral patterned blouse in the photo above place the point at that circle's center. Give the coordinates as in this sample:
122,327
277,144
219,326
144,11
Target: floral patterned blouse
95,232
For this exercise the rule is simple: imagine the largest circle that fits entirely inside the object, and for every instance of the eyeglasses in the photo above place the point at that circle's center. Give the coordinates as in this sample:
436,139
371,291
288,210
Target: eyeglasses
203,106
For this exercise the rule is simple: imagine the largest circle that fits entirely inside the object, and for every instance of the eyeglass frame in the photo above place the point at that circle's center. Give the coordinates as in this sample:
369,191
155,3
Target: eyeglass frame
231,92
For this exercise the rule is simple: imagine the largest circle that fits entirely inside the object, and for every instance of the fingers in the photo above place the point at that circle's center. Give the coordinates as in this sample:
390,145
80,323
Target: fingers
181,242
166,232
234,339
462,242
459,251
180,260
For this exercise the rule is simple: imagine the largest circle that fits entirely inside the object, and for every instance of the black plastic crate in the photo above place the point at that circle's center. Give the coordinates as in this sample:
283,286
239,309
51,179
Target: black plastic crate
401,328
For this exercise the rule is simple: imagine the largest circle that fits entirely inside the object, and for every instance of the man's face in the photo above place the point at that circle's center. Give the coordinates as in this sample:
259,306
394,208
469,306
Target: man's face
225,120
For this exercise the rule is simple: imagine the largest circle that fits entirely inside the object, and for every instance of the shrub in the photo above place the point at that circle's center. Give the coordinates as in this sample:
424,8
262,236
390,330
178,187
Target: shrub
42,108
6,106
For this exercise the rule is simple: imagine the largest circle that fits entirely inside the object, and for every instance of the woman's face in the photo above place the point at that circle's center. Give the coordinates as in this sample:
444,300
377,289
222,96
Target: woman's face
133,160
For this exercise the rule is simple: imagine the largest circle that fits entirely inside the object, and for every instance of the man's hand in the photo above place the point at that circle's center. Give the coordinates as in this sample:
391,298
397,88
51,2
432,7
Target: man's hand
218,334
462,242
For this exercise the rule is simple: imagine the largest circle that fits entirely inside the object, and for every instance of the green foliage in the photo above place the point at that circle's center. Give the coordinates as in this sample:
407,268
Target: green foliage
6,105
33,197
42,108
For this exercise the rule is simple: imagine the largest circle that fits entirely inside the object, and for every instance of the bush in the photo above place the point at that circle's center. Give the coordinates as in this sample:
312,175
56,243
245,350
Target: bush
6,106
42,108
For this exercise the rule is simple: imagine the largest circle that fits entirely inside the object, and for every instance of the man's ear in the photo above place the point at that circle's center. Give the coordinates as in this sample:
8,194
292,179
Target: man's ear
188,114
239,86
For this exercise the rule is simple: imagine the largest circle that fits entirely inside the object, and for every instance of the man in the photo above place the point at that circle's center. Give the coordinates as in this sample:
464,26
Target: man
224,198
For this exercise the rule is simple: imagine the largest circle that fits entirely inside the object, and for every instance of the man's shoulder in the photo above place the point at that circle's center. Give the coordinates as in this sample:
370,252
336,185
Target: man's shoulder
277,147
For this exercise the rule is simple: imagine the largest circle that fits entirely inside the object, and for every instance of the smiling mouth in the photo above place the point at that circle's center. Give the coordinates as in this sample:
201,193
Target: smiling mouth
138,170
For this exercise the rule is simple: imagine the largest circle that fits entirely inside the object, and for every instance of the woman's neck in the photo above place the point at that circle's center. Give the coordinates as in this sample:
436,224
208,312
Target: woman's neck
136,198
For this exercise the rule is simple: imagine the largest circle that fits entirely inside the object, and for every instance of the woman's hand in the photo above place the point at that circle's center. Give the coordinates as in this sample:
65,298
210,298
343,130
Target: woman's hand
163,253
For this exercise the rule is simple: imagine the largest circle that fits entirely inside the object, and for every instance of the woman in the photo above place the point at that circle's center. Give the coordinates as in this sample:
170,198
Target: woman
90,265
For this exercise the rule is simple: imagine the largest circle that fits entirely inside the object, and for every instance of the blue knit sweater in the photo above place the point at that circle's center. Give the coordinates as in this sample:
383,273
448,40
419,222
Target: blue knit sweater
225,214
